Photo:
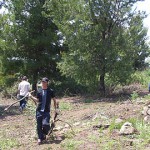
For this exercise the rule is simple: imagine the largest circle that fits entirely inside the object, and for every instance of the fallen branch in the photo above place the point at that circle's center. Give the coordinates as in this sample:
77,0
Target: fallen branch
53,125
17,101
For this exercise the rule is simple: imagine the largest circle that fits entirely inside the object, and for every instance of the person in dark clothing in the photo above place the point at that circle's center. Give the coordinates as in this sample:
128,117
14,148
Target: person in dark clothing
43,99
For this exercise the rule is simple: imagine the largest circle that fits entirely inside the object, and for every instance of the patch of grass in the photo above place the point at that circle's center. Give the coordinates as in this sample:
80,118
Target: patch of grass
7,144
133,121
68,134
115,125
71,144
147,96
111,145
144,130
107,143
65,106
134,95
93,138
31,108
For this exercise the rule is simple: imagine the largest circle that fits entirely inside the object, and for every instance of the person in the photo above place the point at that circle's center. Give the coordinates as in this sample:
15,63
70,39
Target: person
23,91
43,99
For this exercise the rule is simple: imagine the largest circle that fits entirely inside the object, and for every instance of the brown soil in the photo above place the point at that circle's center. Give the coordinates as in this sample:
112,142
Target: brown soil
81,116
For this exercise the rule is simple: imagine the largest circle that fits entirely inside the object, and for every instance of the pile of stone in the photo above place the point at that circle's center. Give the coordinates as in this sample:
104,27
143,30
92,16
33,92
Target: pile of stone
146,113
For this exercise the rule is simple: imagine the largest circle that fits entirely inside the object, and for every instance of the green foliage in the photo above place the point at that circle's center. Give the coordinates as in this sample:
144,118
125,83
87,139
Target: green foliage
88,45
142,77
31,108
6,144
71,144
32,41
144,133
115,125
7,82
134,95
68,87
133,121
99,44
144,130
65,106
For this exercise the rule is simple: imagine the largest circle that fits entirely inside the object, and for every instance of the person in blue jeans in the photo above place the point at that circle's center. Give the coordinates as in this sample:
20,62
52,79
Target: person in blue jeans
43,99
23,91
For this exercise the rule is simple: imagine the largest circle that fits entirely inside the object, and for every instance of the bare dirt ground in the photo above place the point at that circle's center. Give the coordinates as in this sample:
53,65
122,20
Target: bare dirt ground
18,130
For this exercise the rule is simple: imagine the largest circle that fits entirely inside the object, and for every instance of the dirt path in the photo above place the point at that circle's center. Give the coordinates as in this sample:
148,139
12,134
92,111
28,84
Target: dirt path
18,131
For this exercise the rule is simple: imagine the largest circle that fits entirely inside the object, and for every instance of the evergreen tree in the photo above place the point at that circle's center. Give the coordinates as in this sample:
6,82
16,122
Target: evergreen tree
36,38
100,39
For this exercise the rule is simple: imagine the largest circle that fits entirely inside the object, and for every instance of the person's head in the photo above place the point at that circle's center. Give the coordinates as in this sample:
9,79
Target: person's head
24,78
44,82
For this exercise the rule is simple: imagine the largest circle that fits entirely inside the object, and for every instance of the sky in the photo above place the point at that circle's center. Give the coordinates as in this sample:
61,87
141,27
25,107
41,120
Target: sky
145,6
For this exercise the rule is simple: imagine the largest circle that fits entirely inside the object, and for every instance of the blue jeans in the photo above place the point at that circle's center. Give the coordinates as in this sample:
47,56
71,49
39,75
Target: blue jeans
23,102
43,125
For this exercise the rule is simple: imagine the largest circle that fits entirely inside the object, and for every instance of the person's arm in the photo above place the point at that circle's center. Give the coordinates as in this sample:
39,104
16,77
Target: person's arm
34,98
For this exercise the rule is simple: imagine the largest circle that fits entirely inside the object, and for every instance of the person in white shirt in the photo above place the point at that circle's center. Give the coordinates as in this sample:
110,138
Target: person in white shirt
23,91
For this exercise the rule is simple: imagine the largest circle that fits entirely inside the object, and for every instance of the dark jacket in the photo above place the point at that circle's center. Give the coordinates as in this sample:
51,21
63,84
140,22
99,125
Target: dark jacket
50,94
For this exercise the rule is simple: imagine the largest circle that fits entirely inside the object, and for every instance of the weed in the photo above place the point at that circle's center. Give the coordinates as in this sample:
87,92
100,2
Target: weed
143,138
115,125
133,121
134,95
6,144
107,143
68,134
147,96
65,106
30,108
71,144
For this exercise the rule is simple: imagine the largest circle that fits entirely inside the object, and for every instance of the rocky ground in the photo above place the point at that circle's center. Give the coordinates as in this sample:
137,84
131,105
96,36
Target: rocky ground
86,123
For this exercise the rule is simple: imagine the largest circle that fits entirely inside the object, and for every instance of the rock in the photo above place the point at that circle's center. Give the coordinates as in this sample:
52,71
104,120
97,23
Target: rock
76,123
127,129
147,119
145,109
148,111
95,116
118,120
66,126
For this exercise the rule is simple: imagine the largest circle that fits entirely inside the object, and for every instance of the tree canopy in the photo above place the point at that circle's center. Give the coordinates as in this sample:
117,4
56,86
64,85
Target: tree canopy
35,37
101,35
97,43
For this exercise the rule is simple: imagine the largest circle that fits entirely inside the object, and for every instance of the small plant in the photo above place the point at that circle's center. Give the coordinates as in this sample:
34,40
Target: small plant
30,108
8,143
115,125
68,134
147,97
134,95
71,144
65,106
133,121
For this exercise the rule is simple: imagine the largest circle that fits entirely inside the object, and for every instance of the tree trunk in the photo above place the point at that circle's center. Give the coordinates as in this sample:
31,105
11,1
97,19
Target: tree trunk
34,82
102,82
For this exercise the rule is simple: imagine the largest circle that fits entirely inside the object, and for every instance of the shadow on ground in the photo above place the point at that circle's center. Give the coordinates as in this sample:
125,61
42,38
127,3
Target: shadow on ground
112,98
10,112
57,140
